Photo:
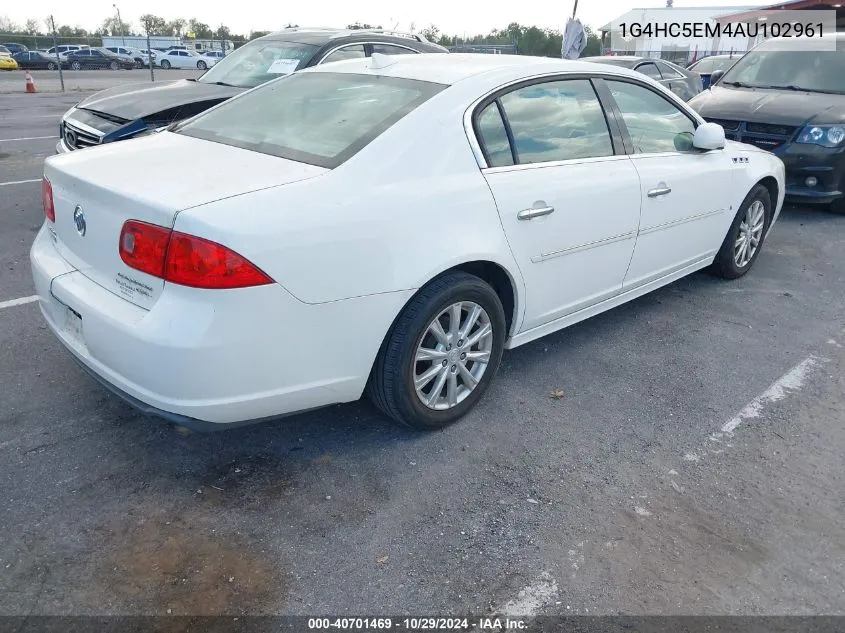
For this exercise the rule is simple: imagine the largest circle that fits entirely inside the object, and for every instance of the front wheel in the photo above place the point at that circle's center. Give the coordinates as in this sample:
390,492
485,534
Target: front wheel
745,238
114,65
201,65
441,353
76,66
51,66
165,64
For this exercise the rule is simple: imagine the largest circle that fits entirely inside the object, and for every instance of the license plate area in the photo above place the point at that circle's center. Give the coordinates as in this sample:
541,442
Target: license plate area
73,326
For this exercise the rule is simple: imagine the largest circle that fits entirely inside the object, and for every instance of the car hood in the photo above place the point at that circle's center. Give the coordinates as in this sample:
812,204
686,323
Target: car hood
139,100
758,105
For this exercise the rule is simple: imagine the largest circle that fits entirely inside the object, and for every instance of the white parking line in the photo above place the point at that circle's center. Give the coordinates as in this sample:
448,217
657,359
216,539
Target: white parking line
19,182
11,303
27,138
792,380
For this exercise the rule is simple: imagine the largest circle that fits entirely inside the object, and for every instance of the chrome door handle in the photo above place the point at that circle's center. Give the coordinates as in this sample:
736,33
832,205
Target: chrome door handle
660,191
527,214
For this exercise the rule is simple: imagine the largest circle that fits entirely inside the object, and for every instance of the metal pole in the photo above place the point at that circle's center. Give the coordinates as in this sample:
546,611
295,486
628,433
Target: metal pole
150,53
574,9
120,22
56,50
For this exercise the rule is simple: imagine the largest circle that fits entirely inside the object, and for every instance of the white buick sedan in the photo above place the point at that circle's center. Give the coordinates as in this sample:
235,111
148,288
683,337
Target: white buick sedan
386,225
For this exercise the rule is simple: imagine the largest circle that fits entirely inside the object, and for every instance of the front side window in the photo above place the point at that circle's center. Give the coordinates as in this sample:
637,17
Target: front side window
493,137
258,62
318,118
557,120
668,72
355,51
654,123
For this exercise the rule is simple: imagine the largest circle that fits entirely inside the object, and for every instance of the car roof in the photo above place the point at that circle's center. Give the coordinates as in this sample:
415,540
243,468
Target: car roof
456,67
319,36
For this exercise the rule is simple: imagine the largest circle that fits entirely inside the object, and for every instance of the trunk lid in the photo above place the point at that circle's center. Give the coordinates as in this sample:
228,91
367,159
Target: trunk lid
149,179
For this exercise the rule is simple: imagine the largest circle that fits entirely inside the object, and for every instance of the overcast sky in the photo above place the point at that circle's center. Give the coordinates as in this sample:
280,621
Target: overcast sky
451,16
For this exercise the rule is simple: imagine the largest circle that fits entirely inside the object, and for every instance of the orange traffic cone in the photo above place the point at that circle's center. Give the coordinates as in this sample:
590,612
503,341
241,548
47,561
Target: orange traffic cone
30,84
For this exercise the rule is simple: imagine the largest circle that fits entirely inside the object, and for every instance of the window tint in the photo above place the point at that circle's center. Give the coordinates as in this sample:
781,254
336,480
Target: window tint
650,70
493,137
387,49
355,51
317,118
558,120
668,72
654,123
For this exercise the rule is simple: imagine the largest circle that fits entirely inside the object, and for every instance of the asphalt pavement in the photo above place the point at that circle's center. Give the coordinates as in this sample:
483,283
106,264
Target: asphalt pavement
12,81
691,462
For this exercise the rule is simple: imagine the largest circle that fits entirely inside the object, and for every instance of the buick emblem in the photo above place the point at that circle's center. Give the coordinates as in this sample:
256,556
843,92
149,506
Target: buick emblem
70,138
79,220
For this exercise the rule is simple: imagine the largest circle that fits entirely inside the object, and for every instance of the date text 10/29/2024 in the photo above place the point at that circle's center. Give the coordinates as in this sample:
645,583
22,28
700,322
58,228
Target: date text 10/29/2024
418,624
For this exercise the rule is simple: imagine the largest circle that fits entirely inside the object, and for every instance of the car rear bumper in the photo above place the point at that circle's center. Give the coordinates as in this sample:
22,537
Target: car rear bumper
203,358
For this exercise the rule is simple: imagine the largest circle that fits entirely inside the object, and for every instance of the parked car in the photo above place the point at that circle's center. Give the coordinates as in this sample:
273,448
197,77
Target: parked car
126,111
478,181
212,57
140,58
181,59
790,102
36,60
679,80
707,66
98,58
65,49
14,48
7,62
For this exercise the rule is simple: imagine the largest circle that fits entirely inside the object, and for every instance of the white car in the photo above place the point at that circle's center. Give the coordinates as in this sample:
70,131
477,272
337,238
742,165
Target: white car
182,59
212,57
387,224
134,54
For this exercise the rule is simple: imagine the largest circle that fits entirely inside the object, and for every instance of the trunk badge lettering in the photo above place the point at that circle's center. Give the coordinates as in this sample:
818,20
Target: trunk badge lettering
79,220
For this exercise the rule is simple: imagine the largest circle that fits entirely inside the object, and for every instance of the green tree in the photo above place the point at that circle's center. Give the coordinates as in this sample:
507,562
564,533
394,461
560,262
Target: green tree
7,25
31,27
177,26
153,24
431,33
222,33
200,30
256,34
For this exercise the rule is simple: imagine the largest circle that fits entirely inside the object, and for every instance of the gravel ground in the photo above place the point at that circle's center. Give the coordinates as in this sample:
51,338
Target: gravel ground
622,496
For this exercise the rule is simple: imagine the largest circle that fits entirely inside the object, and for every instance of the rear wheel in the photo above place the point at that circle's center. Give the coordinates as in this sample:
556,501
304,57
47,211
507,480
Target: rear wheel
441,353
114,65
745,238
165,64
202,65
76,66
139,63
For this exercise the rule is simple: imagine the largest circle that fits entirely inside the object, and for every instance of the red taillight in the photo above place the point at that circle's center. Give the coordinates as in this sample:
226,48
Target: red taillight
185,259
144,246
47,199
193,261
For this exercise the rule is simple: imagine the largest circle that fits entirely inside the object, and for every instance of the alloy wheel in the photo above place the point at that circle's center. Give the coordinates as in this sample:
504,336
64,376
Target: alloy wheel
750,233
452,355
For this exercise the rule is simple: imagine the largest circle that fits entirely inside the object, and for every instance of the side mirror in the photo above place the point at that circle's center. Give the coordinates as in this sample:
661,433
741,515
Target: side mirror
709,136
715,76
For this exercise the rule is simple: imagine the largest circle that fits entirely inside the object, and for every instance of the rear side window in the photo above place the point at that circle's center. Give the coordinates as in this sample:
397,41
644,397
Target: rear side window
557,120
493,136
387,49
354,51
650,70
318,118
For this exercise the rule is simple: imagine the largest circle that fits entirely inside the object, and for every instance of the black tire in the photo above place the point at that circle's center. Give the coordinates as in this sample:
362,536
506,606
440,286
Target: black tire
114,66
51,66
165,64
76,66
139,64
201,65
391,386
725,265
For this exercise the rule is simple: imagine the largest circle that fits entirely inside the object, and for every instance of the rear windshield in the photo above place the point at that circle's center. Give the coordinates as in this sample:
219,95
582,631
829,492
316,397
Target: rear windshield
709,65
815,71
258,62
318,118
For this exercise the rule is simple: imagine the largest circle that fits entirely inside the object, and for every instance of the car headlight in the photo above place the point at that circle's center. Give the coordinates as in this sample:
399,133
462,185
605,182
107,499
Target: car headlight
824,135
